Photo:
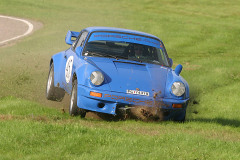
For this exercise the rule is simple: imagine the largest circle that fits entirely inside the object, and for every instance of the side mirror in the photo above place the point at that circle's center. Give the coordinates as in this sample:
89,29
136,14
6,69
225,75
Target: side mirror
171,62
178,69
71,37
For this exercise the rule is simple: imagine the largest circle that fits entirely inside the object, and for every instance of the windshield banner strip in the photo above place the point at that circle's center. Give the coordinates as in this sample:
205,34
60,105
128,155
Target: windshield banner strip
118,37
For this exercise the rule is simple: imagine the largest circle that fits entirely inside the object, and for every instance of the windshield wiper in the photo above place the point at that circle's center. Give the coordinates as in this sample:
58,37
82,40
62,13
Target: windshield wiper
135,59
120,57
93,54
105,55
112,56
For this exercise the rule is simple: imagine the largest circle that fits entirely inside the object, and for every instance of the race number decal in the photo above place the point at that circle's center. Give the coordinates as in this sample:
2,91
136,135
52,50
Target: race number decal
68,69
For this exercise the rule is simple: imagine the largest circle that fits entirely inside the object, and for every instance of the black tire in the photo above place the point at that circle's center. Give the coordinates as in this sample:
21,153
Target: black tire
53,93
180,121
74,110
180,117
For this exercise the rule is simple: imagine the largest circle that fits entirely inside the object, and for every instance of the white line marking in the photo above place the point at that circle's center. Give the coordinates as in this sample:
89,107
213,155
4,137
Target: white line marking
30,29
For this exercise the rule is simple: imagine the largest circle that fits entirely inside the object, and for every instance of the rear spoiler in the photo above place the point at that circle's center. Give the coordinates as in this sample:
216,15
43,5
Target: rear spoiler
71,37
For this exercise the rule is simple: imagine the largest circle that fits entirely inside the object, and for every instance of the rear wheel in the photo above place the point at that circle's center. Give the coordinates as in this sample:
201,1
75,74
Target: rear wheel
53,93
74,110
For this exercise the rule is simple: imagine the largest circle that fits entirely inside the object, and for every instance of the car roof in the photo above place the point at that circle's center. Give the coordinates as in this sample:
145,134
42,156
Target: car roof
112,29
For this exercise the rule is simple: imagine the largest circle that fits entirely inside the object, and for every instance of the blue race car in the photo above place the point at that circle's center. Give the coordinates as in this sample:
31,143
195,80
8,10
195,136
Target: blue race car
117,71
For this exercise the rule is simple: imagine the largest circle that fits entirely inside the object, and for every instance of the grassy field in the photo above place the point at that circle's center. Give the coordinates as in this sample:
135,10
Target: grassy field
32,131
203,36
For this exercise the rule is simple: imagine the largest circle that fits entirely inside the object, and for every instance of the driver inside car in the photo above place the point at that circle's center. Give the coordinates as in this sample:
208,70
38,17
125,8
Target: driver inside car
138,50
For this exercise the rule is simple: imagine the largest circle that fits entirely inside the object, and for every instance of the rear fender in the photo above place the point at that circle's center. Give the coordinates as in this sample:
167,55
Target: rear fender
57,61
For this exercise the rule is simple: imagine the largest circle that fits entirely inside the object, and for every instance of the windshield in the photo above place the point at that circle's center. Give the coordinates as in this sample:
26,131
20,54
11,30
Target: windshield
114,47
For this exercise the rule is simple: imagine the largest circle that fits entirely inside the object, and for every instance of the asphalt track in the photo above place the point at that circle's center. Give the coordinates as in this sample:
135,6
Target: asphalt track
12,29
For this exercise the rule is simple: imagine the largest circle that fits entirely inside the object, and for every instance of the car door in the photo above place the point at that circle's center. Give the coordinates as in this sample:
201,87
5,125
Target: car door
70,59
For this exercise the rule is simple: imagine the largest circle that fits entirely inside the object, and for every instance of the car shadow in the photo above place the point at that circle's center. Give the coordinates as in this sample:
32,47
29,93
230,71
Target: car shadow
221,121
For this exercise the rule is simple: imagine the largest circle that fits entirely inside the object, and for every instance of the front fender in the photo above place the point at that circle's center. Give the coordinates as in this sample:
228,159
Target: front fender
171,78
83,73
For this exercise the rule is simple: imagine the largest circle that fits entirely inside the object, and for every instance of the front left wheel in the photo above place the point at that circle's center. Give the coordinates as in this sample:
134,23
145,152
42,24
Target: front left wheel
74,110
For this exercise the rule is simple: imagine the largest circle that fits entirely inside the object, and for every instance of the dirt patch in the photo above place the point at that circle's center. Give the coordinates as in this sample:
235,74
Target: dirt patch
6,117
190,67
146,113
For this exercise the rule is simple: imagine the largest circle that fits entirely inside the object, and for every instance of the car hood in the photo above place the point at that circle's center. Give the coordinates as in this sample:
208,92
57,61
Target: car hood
123,75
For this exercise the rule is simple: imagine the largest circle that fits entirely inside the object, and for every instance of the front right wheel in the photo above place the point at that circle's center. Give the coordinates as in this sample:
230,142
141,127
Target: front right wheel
180,116
74,110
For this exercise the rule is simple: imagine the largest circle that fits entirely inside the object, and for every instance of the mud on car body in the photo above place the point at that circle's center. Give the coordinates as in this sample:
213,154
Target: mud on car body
113,70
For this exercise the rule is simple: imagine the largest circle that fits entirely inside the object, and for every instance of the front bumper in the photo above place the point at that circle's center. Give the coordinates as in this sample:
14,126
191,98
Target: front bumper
110,101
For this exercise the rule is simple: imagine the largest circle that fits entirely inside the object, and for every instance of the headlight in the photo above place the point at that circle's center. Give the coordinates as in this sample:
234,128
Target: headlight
178,88
97,78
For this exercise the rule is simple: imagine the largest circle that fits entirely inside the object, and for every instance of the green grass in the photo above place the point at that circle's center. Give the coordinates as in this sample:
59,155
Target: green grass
203,36
45,133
